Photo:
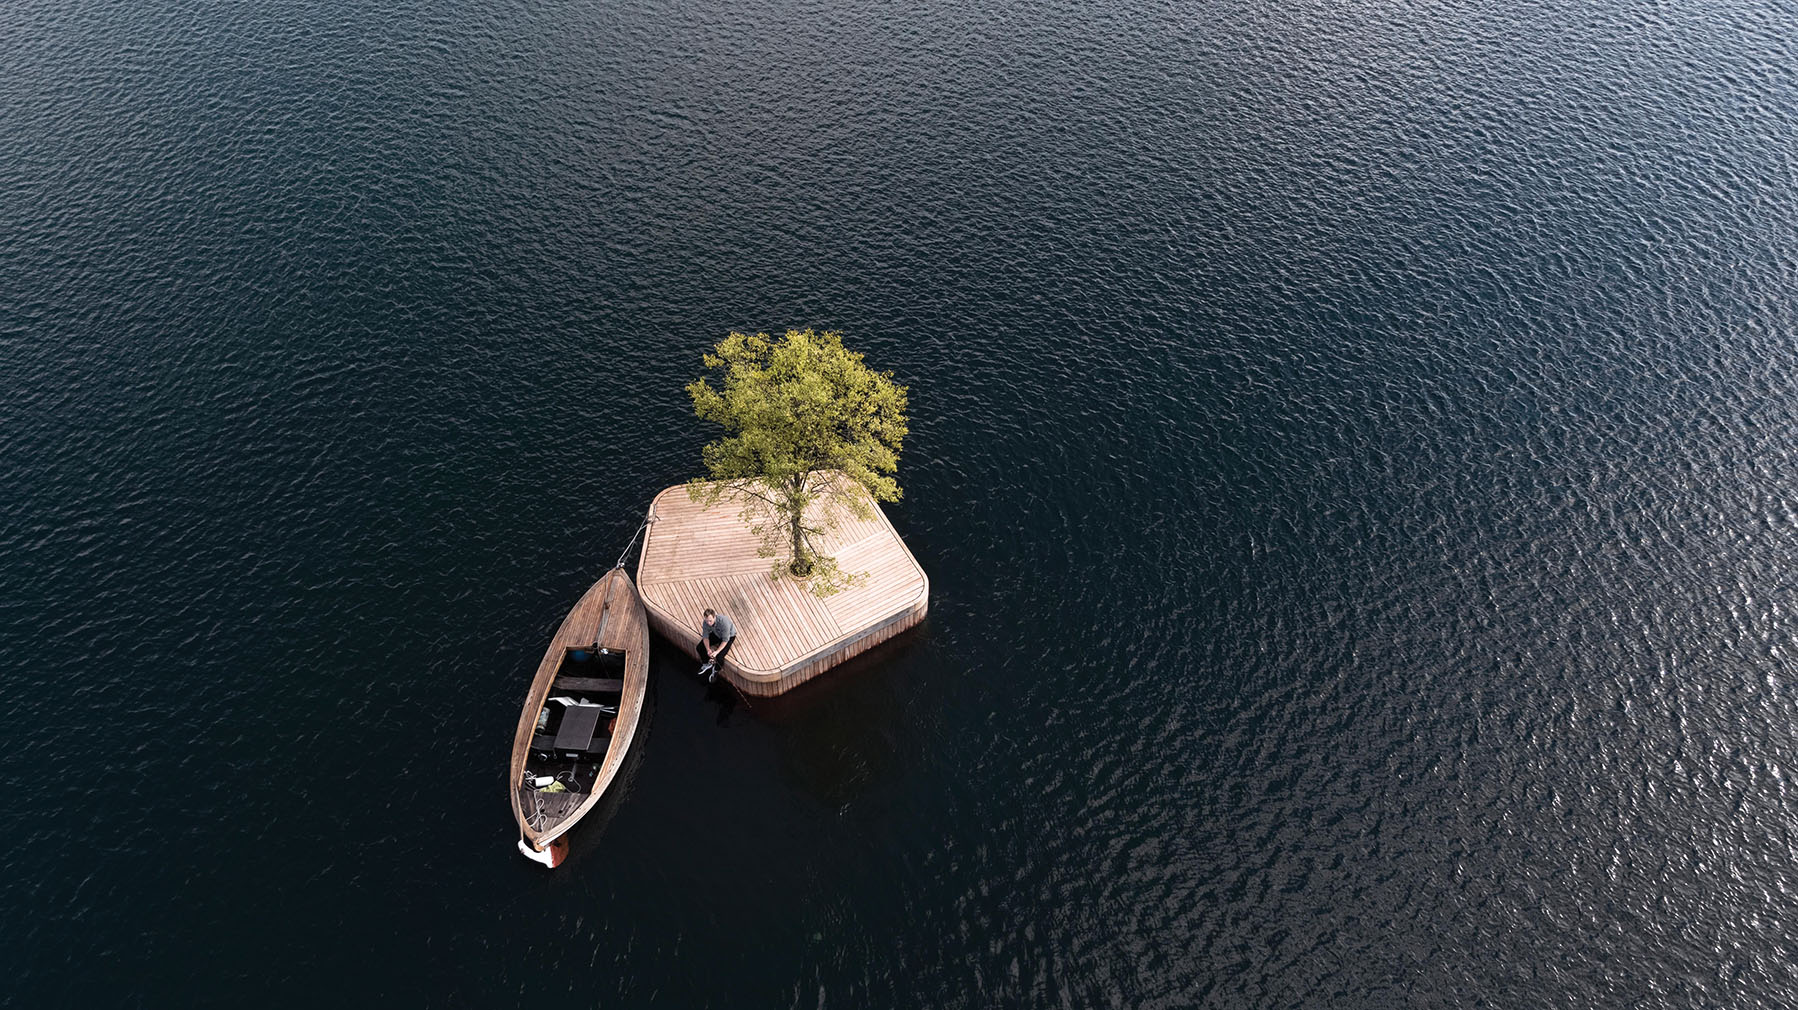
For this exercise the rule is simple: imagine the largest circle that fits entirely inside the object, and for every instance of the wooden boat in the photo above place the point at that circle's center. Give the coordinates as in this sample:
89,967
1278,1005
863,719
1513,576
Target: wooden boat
580,715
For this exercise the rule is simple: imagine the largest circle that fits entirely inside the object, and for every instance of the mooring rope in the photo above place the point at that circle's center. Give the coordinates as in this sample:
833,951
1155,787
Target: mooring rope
647,519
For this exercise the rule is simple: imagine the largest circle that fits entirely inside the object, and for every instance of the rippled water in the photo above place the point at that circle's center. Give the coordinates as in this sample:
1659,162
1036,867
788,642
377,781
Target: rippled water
1353,453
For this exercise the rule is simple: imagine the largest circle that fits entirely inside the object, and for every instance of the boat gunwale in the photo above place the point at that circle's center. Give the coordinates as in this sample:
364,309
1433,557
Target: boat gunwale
633,638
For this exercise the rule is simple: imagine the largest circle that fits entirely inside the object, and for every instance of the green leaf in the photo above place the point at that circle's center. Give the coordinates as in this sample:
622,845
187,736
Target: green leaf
806,422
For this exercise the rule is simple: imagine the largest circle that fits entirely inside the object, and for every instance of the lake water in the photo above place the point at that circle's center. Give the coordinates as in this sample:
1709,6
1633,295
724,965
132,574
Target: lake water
1353,452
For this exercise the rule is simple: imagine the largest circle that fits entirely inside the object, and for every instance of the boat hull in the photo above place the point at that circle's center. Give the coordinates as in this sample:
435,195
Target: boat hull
610,619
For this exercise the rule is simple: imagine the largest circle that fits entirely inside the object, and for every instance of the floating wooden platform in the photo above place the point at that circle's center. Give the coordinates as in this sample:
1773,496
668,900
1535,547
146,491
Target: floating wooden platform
694,559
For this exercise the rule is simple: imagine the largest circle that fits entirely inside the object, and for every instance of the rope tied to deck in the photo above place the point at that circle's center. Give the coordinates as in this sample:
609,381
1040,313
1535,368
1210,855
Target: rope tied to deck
647,519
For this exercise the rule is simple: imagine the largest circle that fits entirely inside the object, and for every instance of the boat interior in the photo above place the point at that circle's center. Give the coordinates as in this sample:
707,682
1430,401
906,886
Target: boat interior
574,730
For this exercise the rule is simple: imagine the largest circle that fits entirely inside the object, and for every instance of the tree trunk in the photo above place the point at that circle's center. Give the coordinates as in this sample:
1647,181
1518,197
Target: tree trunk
801,565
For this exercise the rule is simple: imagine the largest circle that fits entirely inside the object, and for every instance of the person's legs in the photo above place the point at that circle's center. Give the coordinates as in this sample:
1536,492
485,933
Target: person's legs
699,650
726,650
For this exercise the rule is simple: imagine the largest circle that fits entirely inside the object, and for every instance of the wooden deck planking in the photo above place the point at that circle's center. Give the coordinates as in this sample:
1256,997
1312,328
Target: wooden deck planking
694,558
751,565
819,624
772,619
765,632
849,531
755,631
764,610
851,613
895,577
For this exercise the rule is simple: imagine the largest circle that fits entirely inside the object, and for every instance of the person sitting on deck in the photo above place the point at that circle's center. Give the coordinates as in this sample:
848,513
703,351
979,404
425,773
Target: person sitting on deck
715,627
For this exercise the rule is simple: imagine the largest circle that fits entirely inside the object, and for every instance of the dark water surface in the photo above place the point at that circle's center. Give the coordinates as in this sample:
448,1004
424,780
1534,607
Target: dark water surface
1353,454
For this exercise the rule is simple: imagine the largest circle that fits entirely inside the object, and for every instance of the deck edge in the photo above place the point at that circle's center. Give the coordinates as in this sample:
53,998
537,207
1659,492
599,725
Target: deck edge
768,682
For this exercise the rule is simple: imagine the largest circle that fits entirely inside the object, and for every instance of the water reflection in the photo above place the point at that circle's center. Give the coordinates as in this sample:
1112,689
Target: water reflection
837,735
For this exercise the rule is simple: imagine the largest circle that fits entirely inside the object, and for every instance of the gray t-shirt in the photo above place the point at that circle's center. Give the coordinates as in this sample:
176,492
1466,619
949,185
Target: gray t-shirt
721,629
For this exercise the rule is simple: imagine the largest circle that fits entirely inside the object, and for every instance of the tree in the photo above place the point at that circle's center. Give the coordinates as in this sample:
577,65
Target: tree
810,431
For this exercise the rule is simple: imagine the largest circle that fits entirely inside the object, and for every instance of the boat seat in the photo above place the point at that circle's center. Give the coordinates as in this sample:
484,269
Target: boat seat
543,743
589,685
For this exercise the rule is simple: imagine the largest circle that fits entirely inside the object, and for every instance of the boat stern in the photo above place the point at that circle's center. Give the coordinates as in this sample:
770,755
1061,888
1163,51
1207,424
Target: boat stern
551,857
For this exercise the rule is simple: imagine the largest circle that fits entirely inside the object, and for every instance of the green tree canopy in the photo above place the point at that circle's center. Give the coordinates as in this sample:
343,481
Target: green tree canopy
809,429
